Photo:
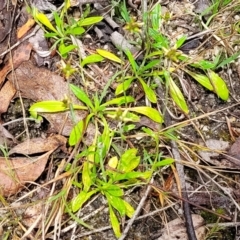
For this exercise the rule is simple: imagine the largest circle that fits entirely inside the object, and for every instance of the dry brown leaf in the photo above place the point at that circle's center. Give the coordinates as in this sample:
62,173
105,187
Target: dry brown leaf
6,94
25,28
15,172
21,54
46,86
39,145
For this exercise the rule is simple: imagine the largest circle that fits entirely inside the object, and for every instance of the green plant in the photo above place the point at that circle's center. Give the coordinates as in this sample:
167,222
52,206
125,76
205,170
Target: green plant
63,28
162,60
110,177
96,110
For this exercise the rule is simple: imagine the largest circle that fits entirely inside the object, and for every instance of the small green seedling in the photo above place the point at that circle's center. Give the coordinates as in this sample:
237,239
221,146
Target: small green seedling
62,31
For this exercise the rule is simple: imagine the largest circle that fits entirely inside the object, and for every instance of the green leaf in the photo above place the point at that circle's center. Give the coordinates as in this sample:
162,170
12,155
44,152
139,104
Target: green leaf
64,50
86,176
132,175
219,85
122,87
132,61
180,42
202,79
80,199
89,21
114,222
155,16
81,95
42,18
148,91
50,35
119,101
228,60
129,209
177,96
49,106
76,133
58,20
150,65
75,31
128,161
116,202
91,59
204,64
109,55
162,163
124,116
114,190
149,112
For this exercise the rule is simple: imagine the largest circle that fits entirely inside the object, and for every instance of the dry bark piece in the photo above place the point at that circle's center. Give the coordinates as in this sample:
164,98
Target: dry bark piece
39,145
175,229
15,172
40,84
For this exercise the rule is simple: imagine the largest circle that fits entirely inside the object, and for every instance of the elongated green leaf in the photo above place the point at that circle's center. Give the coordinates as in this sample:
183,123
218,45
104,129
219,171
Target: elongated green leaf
49,106
124,116
89,21
76,133
50,35
91,59
122,87
80,199
228,60
119,101
219,85
81,95
75,31
132,61
109,55
150,65
114,222
132,175
177,96
148,91
86,176
129,209
149,112
116,202
202,79
180,42
58,21
155,16
114,190
162,163
42,18
128,160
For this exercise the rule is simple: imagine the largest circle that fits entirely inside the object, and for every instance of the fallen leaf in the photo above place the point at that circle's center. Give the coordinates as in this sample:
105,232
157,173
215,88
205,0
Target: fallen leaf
25,28
15,172
6,94
46,86
176,229
21,54
39,145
